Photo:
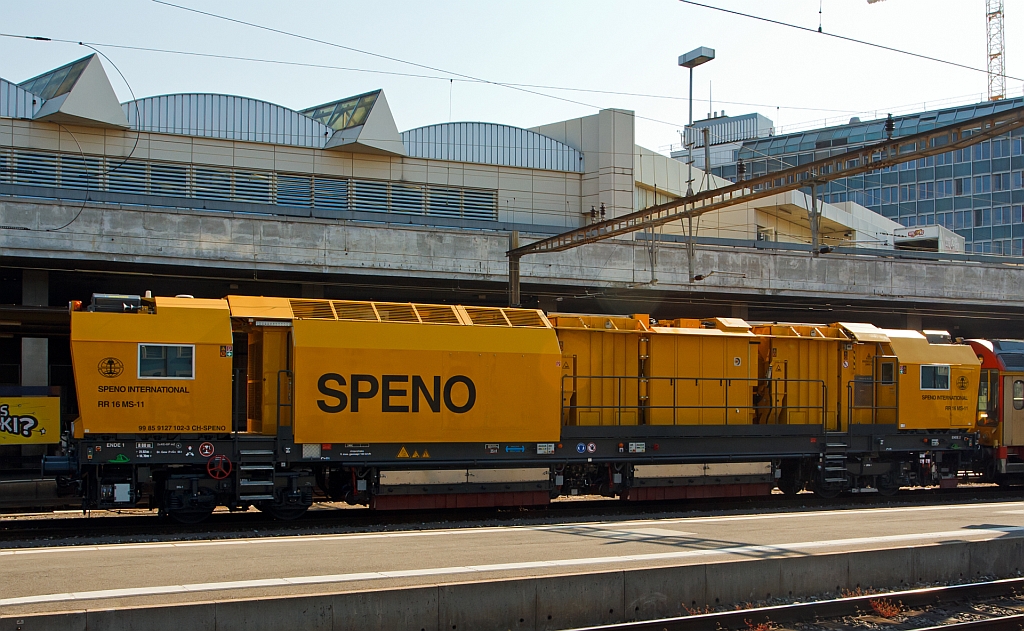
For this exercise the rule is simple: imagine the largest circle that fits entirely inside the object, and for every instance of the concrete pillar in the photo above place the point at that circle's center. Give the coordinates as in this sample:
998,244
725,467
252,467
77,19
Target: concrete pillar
914,322
740,310
35,361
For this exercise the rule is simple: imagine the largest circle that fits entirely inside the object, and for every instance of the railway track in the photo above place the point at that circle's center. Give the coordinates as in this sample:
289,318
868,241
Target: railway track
141,525
843,608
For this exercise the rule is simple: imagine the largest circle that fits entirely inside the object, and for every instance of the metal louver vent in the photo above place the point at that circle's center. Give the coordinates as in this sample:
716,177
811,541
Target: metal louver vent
487,316
312,309
352,310
396,312
438,314
330,194
38,169
524,317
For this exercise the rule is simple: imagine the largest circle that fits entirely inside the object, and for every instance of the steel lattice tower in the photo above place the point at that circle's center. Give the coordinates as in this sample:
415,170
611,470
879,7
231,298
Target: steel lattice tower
996,43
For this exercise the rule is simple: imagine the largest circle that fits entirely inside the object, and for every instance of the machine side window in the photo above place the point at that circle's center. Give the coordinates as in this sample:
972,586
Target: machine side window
983,391
166,361
1018,395
935,377
888,373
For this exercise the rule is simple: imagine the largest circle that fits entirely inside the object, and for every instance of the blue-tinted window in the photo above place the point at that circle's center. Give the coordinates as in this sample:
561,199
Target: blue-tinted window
166,361
1001,148
982,184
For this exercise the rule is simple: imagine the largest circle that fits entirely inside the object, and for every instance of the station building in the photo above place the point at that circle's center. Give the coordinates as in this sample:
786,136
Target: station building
976,192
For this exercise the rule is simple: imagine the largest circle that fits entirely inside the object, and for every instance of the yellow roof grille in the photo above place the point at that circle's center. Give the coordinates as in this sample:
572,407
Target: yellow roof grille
487,316
396,312
438,314
312,309
353,310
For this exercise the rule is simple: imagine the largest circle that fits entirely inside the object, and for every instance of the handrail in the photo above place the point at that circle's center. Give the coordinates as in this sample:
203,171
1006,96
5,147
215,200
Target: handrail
766,387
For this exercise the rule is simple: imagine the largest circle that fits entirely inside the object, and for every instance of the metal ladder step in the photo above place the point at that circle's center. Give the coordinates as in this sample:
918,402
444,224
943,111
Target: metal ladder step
255,497
255,467
255,483
835,479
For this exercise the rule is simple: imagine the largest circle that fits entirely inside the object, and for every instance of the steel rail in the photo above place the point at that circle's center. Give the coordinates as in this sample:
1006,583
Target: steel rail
998,623
824,609
854,162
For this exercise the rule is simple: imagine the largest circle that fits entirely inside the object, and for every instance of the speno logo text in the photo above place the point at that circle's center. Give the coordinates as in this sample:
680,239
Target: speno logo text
398,393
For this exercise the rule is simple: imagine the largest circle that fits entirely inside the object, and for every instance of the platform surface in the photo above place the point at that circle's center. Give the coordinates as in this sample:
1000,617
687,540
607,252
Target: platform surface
90,576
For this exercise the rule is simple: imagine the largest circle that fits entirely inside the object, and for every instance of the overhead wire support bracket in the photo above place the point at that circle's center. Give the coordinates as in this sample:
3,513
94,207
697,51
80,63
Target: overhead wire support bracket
880,155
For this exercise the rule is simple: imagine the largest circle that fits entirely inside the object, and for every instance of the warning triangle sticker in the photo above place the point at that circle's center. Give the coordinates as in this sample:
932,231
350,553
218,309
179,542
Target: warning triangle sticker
415,454
426,454
403,453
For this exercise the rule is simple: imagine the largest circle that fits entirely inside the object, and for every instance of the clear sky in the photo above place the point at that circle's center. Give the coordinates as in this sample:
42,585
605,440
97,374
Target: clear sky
611,45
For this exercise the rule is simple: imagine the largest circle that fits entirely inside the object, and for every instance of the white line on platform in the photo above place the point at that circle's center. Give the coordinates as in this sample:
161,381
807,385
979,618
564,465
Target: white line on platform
572,527
749,551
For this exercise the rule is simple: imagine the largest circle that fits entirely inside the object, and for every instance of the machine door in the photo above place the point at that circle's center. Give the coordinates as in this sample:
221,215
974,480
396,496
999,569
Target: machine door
886,391
1013,410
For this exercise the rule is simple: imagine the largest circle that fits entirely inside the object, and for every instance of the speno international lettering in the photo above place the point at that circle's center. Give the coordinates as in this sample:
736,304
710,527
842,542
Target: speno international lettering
397,393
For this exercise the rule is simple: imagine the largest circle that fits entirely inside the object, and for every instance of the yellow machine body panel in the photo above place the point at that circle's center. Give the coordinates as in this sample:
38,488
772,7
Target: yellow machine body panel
702,376
801,367
938,383
29,420
387,381
600,368
167,370
619,370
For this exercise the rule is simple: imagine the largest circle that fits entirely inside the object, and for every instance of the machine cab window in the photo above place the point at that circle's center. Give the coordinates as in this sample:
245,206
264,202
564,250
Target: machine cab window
166,361
988,391
935,377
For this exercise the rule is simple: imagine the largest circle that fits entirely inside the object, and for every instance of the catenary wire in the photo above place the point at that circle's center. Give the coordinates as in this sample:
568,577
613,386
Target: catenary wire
837,36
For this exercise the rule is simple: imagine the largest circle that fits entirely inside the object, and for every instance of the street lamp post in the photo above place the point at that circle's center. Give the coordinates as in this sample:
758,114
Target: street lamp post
691,60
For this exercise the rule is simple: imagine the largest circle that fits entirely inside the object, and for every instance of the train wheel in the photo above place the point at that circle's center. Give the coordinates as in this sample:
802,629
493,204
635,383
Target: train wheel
888,485
826,491
189,508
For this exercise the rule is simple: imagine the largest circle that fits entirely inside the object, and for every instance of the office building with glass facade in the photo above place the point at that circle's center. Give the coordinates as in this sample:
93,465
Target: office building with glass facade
977,192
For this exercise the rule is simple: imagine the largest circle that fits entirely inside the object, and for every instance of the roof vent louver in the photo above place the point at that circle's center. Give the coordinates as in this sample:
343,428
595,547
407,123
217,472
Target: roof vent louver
524,317
352,310
396,312
487,316
312,309
438,314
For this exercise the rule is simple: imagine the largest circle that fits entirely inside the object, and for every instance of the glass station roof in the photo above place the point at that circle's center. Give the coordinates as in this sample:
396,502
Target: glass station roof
344,114
56,82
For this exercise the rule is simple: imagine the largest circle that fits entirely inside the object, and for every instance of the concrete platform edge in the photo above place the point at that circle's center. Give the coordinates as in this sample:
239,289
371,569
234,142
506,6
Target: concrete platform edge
562,601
